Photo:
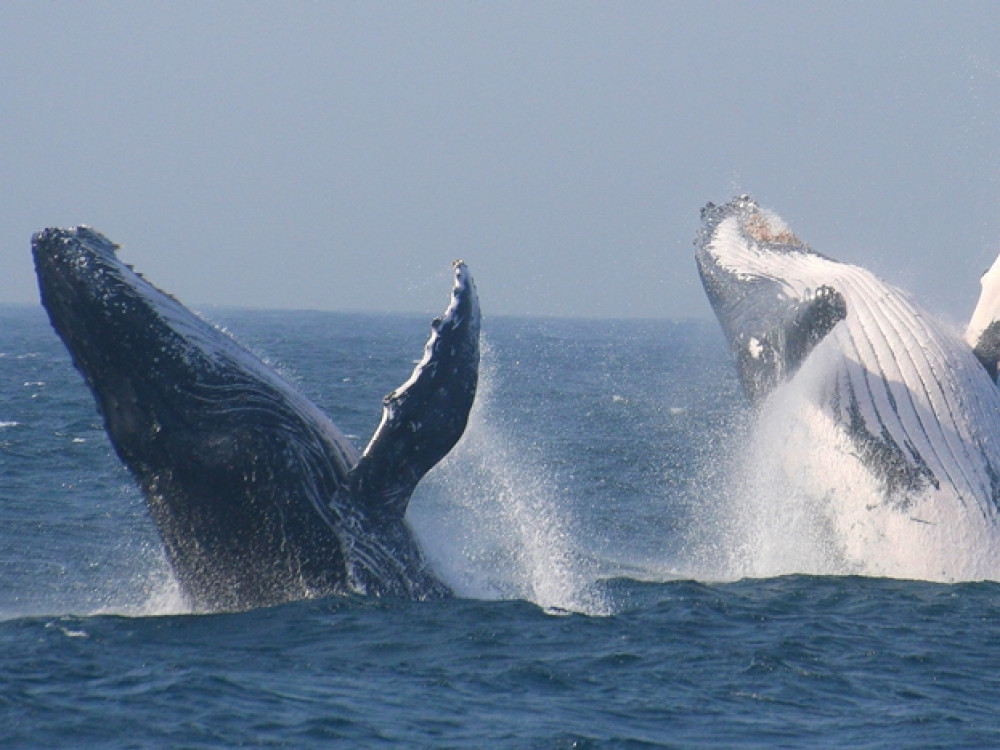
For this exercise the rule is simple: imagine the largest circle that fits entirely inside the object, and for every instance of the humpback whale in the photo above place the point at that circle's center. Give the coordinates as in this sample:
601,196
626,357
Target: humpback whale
257,496
897,395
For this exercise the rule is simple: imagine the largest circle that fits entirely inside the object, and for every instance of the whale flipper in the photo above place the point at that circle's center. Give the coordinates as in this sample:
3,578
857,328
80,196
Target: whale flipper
771,327
424,418
987,348
983,333
809,323
251,486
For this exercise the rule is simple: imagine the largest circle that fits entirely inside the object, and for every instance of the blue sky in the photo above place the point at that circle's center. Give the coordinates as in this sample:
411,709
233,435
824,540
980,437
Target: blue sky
340,155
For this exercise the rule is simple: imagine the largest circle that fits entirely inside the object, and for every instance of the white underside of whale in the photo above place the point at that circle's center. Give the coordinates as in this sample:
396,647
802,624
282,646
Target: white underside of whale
810,500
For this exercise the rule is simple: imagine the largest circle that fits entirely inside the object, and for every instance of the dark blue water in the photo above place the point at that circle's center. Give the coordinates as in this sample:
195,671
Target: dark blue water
583,518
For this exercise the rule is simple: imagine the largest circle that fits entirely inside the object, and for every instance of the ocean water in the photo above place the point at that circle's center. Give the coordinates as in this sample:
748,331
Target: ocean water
618,585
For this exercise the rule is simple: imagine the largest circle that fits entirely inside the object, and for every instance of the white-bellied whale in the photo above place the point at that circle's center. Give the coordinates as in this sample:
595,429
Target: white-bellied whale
896,395
257,496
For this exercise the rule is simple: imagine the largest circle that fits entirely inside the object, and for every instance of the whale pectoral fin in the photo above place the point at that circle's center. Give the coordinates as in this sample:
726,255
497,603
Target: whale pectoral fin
772,345
987,348
810,322
424,418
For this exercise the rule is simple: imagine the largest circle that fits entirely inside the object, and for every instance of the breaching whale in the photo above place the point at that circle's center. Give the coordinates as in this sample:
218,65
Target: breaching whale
895,393
257,496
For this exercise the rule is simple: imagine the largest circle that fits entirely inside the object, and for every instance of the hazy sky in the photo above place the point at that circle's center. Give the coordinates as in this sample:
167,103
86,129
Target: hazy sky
340,155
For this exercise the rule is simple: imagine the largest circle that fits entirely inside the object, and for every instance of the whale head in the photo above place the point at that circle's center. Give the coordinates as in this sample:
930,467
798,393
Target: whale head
775,298
140,351
741,243
103,311
110,317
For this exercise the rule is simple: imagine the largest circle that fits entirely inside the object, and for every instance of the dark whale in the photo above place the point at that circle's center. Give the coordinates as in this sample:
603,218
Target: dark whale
257,496
906,412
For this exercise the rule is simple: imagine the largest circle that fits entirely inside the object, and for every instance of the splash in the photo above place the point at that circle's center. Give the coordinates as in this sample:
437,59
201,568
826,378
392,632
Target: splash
152,591
128,577
798,499
492,525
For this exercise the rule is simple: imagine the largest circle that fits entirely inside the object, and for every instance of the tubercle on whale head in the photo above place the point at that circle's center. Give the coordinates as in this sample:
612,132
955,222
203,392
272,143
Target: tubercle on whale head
79,271
68,257
755,226
46,238
712,213
740,242
113,321
80,281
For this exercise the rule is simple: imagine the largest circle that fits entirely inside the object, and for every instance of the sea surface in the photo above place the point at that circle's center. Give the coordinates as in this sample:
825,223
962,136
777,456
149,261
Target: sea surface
616,589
